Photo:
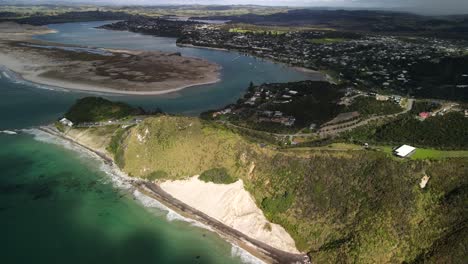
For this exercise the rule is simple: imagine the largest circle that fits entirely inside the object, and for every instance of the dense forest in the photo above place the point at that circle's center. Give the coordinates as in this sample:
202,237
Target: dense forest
95,109
449,131
445,78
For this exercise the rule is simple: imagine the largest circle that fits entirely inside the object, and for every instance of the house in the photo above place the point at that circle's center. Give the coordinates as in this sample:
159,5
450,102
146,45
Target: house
278,114
293,92
66,122
404,151
380,97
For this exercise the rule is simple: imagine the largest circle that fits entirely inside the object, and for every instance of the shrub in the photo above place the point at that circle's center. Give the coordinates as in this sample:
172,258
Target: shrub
156,175
217,175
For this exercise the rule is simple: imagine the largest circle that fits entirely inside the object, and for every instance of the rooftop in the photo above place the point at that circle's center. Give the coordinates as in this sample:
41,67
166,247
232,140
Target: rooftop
404,151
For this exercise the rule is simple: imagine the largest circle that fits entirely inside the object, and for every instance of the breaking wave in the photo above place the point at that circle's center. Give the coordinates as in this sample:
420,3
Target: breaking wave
244,256
8,132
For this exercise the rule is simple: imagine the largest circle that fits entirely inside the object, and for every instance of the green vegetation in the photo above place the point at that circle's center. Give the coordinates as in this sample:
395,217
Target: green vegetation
22,11
60,126
449,131
438,154
116,140
217,175
342,202
441,77
367,106
423,106
182,147
277,204
96,109
339,203
256,31
427,153
267,29
327,40
156,175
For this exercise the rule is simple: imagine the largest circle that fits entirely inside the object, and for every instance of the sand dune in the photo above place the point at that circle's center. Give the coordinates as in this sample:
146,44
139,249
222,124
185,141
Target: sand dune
232,205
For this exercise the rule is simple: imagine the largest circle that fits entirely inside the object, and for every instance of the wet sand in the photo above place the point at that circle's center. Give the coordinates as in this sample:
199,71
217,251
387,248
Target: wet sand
99,70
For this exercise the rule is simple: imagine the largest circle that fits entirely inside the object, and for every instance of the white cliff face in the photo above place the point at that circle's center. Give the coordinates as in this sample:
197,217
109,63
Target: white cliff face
232,205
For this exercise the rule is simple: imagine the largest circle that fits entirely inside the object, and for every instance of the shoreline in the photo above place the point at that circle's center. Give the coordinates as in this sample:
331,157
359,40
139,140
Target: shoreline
258,249
45,70
199,47
76,87
297,68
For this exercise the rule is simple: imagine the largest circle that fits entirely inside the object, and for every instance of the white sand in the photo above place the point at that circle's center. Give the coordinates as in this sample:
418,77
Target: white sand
232,205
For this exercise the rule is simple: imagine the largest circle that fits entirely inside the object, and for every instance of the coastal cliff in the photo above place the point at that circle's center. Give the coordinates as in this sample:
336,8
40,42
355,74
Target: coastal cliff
355,205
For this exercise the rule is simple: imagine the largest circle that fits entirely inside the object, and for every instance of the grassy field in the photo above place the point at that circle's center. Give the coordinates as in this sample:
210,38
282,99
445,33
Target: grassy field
429,154
339,202
327,40
438,154
274,30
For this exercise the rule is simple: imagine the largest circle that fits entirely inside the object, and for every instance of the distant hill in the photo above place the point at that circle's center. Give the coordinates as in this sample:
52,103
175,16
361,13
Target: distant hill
357,20
74,17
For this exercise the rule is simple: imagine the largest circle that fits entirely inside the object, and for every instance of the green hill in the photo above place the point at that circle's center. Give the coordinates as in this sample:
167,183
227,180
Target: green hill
356,206
95,109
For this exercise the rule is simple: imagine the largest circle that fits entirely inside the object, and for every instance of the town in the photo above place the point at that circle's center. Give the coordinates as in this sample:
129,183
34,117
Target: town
408,66
372,62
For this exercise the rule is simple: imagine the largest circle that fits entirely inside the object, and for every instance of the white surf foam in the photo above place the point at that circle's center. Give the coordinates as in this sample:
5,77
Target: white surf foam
244,256
8,132
171,215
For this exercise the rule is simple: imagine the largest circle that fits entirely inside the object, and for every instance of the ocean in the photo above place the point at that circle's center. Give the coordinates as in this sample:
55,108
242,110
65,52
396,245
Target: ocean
60,204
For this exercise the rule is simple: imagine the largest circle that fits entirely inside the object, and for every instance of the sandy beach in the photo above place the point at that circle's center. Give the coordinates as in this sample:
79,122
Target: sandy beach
99,70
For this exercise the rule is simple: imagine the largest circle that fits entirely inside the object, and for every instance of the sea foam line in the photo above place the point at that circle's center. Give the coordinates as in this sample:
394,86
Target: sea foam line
122,181
8,132
18,79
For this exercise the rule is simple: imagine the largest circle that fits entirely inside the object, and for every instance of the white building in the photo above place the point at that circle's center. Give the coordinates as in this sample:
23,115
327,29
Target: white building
404,151
66,122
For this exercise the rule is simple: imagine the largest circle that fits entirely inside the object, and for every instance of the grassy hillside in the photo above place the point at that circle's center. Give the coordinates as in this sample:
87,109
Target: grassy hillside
178,147
351,206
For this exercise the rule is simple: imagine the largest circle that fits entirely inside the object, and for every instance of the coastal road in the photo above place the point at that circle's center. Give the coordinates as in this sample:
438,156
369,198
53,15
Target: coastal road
340,128
328,130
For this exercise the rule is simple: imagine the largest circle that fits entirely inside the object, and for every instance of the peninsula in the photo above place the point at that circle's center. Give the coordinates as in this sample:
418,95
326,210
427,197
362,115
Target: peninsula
99,70
280,203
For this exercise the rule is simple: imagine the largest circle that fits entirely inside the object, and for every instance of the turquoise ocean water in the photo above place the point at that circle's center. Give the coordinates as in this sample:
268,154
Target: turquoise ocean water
61,205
